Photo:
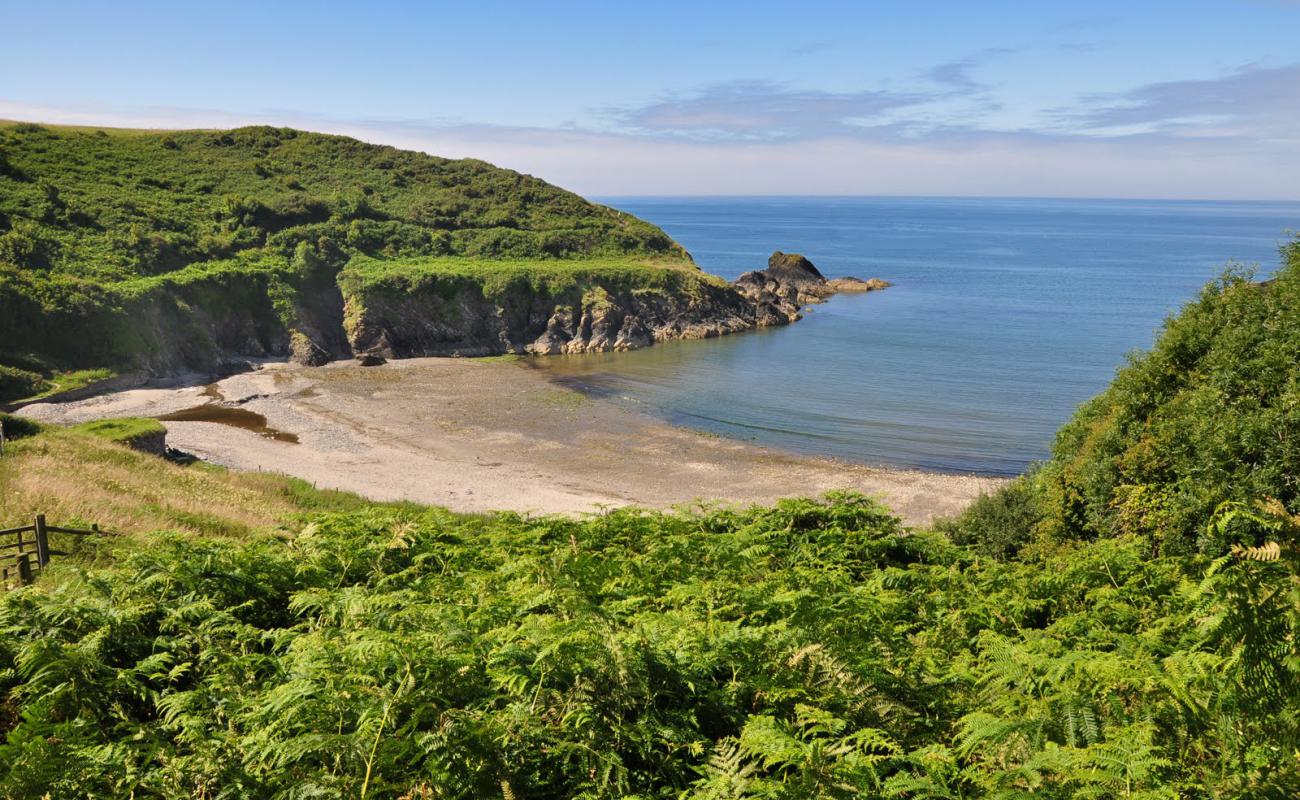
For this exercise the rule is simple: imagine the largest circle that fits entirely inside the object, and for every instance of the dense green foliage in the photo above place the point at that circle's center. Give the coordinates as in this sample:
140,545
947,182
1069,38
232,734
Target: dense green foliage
1210,415
16,383
16,427
449,276
247,228
135,203
815,649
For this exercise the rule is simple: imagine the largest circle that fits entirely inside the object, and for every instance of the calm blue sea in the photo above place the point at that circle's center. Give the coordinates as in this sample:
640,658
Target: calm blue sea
1004,316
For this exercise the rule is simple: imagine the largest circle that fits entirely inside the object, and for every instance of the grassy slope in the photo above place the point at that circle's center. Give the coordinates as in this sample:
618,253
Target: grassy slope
111,242
83,475
147,203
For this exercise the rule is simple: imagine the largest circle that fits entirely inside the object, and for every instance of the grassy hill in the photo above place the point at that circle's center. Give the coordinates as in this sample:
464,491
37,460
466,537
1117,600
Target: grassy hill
166,250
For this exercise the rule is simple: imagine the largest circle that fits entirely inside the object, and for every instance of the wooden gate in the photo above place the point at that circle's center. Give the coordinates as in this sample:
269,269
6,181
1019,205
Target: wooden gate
29,550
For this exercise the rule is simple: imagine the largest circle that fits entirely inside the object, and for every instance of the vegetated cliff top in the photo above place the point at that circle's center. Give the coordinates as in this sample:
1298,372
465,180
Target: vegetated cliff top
112,205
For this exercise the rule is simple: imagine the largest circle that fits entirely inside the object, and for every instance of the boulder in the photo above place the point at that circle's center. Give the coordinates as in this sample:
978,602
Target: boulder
789,283
303,349
559,331
793,268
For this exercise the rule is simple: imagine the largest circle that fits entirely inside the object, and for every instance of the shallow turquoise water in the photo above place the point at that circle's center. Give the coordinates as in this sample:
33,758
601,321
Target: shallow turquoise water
1005,315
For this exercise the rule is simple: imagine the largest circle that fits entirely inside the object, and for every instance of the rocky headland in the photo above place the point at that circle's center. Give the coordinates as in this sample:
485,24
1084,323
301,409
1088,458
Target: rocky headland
591,316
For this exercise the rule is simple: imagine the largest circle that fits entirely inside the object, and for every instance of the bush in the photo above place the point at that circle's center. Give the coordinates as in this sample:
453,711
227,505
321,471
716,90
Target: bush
998,524
16,383
16,427
814,649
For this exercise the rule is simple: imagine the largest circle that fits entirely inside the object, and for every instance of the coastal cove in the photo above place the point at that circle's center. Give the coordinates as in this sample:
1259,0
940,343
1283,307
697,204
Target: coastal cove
1004,315
419,430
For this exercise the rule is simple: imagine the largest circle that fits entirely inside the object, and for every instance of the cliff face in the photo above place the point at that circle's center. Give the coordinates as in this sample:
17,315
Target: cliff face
594,316
463,316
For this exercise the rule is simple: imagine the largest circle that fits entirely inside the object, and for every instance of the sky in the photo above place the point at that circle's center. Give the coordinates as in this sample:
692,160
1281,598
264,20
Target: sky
1190,99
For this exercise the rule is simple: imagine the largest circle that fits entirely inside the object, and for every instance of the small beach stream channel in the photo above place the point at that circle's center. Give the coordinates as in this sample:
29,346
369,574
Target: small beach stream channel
217,411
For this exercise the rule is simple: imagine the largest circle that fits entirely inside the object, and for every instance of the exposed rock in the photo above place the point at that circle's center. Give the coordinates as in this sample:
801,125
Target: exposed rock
524,319
797,273
791,282
559,331
851,284
775,302
633,334
584,318
371,360
304,350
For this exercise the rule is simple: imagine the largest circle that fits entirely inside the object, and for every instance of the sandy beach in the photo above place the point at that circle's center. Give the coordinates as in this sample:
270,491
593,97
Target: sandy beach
488,435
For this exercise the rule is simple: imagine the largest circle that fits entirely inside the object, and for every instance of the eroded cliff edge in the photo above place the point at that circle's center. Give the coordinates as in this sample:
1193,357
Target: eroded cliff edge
420,312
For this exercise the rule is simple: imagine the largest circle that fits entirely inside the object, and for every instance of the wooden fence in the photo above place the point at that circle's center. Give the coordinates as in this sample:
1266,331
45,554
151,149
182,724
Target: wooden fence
25,556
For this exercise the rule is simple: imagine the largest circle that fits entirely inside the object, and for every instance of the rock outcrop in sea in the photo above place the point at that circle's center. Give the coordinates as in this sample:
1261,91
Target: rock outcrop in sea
791,282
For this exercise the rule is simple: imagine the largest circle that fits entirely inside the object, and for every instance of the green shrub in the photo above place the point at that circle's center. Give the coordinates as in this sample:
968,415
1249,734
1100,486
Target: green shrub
16,427
16,383
998,524
812,649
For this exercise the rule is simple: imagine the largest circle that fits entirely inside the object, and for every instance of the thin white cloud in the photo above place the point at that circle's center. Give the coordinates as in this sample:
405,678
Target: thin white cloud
761,111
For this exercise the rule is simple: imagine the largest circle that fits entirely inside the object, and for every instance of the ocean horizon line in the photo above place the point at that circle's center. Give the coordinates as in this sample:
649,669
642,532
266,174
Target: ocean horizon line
1037,198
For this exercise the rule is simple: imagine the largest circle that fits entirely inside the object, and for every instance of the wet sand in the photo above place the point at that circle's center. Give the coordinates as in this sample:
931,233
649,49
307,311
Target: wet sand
488,435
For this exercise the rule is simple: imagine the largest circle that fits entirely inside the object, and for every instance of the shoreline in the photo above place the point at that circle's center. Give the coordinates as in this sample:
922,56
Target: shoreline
601,394
418,430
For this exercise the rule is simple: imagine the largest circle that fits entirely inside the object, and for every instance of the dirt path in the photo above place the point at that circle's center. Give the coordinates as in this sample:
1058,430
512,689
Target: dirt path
479,436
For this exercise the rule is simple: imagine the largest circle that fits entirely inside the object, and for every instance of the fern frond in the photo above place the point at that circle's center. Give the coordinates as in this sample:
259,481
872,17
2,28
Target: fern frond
1269,551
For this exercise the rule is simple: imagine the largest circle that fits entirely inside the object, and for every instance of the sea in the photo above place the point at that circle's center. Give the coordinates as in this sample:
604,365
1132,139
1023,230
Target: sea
1004,316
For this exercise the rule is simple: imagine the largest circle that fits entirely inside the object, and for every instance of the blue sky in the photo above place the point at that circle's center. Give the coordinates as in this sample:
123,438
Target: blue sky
1105,99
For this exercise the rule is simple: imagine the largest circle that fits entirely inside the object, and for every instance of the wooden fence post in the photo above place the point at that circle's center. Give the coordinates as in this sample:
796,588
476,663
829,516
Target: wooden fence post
24,569
42,542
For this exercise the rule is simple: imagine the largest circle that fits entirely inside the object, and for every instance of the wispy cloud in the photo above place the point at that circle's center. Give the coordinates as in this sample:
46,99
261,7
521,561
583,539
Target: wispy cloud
1251,100
762,111
957,74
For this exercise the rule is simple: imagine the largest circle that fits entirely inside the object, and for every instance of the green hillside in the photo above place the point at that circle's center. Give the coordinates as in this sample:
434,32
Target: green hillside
166,250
